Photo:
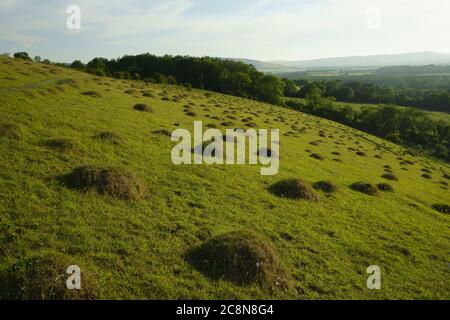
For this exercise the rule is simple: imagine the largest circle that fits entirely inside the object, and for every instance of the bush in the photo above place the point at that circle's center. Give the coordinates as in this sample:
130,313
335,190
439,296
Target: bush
22,56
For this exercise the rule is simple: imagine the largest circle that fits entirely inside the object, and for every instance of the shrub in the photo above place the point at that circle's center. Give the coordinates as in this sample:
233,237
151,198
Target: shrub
240,257
293,189
22,56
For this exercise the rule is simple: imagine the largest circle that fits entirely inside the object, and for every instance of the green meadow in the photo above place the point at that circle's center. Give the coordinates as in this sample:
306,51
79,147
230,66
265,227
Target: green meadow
161,238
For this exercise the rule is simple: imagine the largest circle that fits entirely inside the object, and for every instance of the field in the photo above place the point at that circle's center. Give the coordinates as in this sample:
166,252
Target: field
53,120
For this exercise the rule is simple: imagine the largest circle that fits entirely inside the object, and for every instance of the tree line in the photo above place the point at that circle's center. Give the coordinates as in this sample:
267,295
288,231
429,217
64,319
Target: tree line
225,76
436,99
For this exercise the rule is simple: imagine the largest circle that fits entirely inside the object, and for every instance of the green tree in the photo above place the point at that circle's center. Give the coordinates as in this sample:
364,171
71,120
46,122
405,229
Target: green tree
22,55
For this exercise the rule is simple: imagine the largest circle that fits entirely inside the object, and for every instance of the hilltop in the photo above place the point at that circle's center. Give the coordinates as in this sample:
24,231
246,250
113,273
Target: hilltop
86,179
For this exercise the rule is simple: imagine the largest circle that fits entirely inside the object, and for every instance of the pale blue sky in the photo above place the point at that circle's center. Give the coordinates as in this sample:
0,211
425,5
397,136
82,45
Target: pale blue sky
256,29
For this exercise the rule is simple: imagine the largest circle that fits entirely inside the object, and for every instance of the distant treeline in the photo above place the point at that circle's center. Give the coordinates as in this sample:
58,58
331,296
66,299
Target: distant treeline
406,126
428,92
225,76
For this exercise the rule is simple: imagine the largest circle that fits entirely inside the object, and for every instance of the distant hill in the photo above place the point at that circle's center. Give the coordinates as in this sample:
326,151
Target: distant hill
374,61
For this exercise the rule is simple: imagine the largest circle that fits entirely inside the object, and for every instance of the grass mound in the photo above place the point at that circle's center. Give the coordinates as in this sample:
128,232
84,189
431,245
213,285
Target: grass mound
385,187
108,136
325,186
317,156
364,187
10,131
163,132
92,94
115,182
389,176
239,257
293,189
443,208
65,145
43,277
142,107
427,176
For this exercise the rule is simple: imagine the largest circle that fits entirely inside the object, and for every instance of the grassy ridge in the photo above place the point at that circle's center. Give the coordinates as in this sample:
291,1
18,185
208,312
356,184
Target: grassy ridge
137,249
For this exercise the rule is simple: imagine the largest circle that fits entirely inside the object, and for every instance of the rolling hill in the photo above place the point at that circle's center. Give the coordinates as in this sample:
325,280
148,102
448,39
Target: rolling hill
86,179
354,62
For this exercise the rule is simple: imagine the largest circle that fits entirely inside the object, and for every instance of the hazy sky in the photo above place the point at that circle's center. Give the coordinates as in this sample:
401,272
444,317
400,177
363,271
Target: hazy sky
257,29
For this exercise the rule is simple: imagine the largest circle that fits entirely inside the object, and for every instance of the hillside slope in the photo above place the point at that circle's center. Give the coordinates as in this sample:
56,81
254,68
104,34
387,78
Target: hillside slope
53,120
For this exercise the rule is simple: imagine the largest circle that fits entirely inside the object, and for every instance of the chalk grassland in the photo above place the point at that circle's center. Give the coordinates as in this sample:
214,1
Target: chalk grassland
159,239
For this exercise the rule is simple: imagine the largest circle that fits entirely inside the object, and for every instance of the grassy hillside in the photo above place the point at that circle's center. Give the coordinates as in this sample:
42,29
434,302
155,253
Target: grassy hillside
53,120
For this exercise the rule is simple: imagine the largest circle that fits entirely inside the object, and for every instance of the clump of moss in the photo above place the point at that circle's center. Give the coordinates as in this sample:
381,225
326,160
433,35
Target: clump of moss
240,257
293,189
364,187
114,182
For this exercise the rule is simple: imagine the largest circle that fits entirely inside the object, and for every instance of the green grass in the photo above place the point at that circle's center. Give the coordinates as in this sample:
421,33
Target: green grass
137,249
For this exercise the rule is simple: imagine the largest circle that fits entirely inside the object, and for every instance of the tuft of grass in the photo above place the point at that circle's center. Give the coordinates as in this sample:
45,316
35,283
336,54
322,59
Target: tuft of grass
325,186
390,176
443,208
10,131
108,136
293,189
386,187
65,145
240,257
115,182
142,107
43,277
364,187
92,94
